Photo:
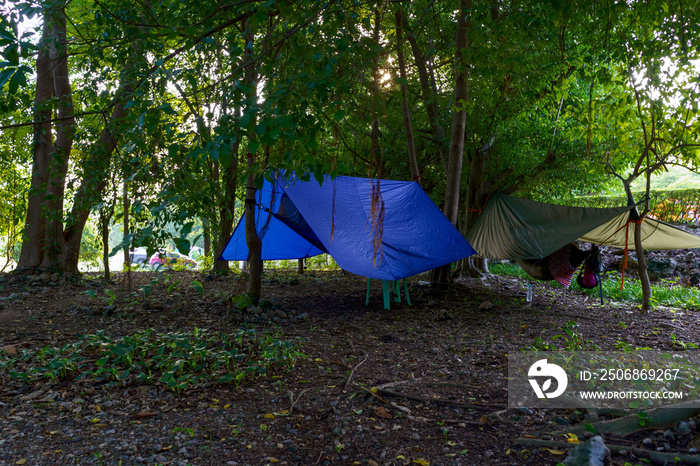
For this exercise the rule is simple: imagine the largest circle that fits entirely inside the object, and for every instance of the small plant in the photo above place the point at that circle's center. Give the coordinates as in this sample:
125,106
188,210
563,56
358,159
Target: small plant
198,286
679,343
189,431
110,299
571,341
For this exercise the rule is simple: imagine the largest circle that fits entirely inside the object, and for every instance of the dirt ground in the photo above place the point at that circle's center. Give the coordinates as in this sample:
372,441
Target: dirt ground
418,384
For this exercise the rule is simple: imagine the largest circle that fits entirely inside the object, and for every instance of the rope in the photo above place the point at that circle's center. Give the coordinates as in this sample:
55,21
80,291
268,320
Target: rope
624,260
482,207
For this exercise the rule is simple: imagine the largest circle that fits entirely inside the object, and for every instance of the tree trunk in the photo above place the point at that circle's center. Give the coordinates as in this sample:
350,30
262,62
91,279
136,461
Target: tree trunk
98,163
410,146
476,195
32,252
104,229
251,234
126,204
642,268
206,227
376,153
57,247
459,120
228,205
91,187
429,94
300,266
65,132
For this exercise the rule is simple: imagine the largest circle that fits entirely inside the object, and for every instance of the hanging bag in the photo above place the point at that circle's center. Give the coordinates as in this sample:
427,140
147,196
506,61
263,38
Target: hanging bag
587,279
592,267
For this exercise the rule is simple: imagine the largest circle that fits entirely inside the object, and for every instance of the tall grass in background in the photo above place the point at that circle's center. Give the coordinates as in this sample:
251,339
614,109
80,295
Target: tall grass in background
666,293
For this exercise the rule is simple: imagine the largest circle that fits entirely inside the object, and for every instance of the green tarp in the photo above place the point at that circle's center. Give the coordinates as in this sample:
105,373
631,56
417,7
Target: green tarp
514,228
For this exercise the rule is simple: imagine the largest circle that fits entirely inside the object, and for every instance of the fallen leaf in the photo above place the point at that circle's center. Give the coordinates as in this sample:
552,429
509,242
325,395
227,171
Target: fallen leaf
572,438
554,452
22,461
269,416
32,395
10,350
422,462
381,412
273,460
528,436
143,414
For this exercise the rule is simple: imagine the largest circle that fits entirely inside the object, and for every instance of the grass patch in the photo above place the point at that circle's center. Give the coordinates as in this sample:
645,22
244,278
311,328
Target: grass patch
667,293
508,269
177,361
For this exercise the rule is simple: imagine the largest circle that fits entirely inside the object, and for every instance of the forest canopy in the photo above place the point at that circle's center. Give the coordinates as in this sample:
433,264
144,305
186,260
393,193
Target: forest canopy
154,114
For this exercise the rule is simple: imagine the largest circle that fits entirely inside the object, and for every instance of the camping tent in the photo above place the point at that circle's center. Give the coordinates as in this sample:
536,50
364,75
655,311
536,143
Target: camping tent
514,228
297,219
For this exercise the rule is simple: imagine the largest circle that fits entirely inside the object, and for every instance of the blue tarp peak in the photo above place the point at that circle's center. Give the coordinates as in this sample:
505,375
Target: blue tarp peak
297,219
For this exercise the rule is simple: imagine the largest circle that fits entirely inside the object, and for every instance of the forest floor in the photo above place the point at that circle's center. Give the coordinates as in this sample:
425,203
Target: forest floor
419,384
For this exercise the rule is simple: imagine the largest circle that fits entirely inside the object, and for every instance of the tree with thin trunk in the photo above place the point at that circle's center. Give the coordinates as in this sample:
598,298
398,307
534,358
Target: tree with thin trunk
405,109
251,233
459,120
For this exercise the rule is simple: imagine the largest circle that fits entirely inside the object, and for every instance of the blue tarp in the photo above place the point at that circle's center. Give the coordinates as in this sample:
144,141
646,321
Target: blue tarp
416,235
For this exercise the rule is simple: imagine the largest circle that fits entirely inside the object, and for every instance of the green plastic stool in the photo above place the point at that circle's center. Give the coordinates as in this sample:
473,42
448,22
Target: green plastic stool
387,286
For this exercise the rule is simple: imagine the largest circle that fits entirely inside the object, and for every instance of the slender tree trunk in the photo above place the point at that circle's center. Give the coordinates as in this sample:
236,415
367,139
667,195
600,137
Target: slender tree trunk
104,229
228,205
642,268
429,93
300,266
98,163
206,226
476,193
251,233
408,127
376,153
459,120
126,204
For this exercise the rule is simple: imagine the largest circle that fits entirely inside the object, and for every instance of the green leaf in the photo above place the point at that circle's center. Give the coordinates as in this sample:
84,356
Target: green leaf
172,286
5,76
198,286
253,146
16,81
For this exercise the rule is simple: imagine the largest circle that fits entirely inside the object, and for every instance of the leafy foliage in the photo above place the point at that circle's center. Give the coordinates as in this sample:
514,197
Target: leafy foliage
177,361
